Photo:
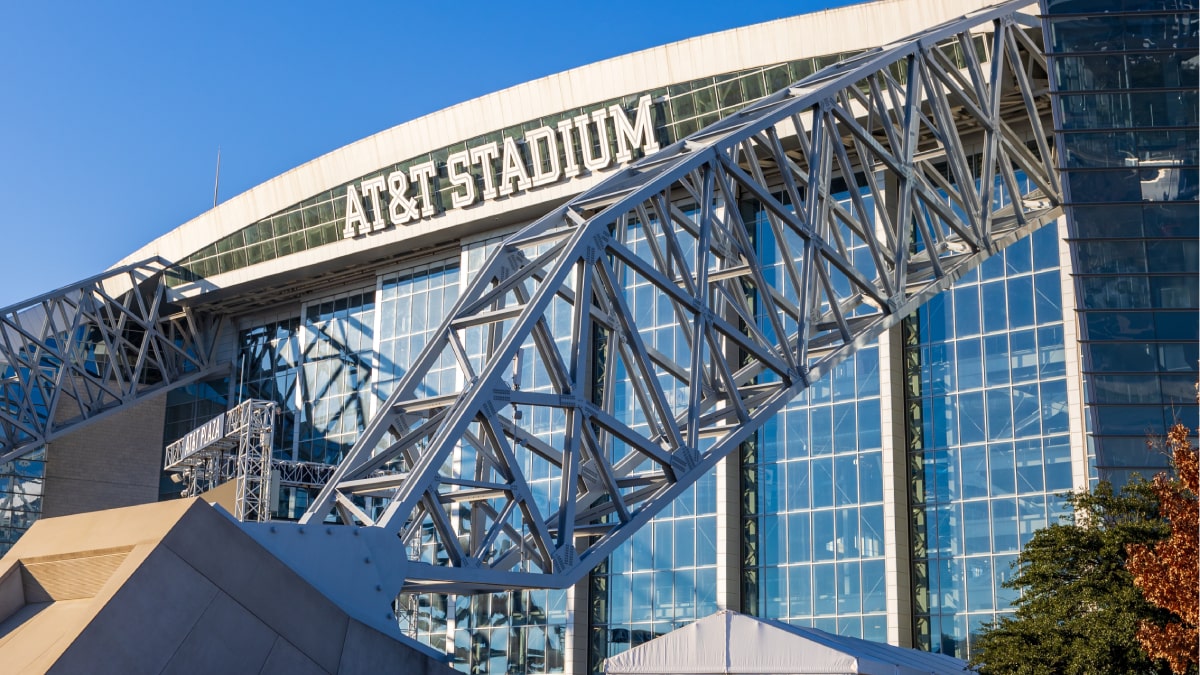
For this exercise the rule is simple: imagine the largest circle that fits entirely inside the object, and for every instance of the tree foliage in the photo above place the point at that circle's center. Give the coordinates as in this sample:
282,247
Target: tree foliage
1166,572
1079,610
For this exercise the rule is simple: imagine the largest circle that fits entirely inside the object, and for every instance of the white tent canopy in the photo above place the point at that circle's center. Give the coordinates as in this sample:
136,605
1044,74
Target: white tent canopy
728,643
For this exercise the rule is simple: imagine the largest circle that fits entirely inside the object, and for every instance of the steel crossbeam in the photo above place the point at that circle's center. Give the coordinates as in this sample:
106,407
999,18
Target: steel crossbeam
611,353
73,355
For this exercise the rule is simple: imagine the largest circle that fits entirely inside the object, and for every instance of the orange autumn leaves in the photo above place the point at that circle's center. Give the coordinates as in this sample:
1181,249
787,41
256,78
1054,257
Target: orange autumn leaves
1166,572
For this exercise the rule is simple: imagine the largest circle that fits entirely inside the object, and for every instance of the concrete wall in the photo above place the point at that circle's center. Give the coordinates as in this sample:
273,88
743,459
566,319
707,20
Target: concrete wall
115,461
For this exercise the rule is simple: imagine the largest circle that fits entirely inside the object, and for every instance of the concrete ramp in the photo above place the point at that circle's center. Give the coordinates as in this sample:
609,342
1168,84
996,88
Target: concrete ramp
175,587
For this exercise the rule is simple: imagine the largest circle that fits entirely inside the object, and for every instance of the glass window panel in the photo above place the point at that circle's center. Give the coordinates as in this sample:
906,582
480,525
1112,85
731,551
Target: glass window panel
824,589
706,541
999,423
1032,514
966,312
706,591
996,360
995,313
1178,358
1004,525
979,584
797,485
1002,469
937,317
773,540
685,543
800,591
1175,292
844,428
977,527
1057,463
869,425
974,471
1126,389
847,533
867,365
1021,302
823,535
849,593
799,537
1054,407
821,423
971,417
1029,466
1027,419
871,531
870,469
970,364
1177,325
1119,325
1129,420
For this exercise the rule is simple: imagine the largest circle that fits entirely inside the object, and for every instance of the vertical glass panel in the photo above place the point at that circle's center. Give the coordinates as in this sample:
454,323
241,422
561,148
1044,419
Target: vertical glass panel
1002,469
823,535
979,584
966,308
824,589
797,485
800,590
846,480
977,527
994,305
849,595
870,469
1000,423
970,364
822,482
799,537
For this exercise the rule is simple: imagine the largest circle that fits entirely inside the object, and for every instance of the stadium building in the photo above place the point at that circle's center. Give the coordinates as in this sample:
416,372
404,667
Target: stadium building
887,501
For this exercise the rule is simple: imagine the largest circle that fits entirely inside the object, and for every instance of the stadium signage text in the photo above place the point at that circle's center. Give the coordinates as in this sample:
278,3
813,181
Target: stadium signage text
493,170
204,435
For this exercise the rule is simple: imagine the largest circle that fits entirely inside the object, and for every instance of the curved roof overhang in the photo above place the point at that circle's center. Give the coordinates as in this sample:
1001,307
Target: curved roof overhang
839,30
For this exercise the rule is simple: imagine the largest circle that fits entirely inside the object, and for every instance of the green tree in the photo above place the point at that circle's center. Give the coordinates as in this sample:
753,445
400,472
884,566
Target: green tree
1079,610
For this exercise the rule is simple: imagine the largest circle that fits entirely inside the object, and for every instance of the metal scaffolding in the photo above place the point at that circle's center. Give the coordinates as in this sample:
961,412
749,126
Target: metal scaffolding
73,355
771,245
235,445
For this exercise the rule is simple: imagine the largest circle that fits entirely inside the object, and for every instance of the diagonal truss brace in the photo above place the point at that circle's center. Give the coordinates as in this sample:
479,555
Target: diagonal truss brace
76,354
611,353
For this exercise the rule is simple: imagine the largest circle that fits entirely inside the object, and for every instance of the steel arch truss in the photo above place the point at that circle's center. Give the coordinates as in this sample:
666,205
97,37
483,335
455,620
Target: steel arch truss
611,353
72,355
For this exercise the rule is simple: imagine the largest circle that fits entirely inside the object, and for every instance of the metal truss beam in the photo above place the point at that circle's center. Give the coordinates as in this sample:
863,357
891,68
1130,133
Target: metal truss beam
71,356
611,353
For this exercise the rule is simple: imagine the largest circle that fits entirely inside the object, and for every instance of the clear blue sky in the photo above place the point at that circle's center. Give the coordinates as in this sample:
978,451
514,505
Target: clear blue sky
110,117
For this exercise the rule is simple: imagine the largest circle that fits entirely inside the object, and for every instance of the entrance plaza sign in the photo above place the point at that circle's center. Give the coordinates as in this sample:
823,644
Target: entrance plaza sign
544,156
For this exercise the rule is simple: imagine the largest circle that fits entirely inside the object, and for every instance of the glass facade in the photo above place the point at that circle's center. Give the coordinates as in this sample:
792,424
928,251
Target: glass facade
665,576
22,483
989,453
1125,82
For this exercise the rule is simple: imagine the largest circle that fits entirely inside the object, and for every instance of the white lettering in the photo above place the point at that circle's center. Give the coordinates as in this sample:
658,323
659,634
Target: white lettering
570,166
401,209
588,139
422,175
457,167
629,138
356,218
595,148
512,168
483,156
371,189
534,140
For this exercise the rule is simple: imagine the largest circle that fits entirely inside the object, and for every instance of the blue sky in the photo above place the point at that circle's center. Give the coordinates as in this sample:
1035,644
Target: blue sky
110,117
